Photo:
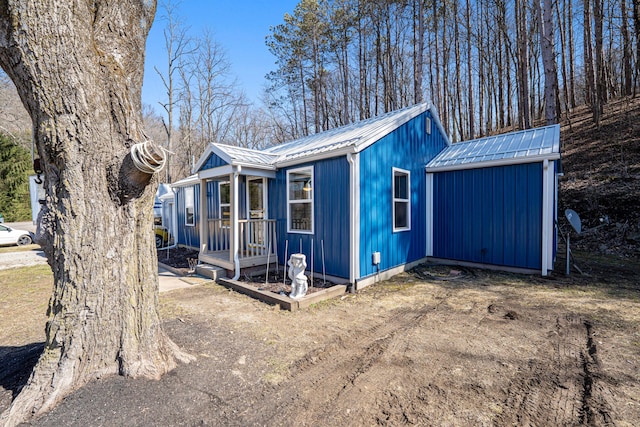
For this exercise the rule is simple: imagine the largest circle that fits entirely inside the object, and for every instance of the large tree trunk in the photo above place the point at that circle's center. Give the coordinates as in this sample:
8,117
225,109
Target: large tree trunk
78,67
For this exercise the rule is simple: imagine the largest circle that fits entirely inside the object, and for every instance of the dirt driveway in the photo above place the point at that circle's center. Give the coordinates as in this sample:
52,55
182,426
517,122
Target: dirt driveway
426,348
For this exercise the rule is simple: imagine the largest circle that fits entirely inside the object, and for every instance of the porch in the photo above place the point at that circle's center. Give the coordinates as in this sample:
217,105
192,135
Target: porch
257,243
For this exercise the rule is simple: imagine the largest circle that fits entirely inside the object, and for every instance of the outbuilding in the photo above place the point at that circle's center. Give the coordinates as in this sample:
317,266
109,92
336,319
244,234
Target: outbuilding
368,200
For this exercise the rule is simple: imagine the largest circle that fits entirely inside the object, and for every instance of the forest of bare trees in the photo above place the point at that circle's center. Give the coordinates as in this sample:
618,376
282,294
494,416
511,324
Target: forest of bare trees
485,64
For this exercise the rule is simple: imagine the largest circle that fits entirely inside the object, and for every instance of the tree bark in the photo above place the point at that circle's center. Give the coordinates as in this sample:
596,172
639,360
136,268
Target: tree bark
78,68
471,98
588,56
524,113
626,51
600,97
545,18
636,27
418,49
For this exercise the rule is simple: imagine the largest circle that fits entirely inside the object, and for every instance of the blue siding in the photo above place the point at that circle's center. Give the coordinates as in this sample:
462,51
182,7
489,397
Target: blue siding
331,216
213,161
188,235
410,148
490,215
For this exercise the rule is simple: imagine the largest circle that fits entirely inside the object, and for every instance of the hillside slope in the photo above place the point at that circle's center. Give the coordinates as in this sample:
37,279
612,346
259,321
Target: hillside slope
602,178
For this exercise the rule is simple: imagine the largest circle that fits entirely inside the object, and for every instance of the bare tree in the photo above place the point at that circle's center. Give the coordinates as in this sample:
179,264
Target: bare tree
545,19
600,98
214,90
177,46
81,86
523,67
636,27
471,99
627,55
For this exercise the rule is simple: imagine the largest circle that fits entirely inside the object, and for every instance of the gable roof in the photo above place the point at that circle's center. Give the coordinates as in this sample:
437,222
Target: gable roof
243,156
527,146
351,138
354,137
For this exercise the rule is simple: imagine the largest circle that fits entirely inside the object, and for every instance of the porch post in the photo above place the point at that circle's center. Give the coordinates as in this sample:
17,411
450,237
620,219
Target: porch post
203,216
235,225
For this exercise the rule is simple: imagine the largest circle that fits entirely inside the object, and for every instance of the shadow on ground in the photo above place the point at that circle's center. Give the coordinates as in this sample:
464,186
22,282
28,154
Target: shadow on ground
16,363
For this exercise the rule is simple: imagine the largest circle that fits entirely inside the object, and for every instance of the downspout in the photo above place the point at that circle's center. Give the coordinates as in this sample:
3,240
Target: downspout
236,222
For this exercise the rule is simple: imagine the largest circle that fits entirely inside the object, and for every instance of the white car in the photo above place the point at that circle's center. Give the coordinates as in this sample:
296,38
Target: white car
12,236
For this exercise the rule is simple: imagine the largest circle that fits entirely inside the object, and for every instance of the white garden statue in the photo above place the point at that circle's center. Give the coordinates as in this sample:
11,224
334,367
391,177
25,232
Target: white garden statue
297,266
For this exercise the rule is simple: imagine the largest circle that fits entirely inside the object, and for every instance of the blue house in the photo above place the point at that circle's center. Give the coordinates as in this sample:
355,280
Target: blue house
368,200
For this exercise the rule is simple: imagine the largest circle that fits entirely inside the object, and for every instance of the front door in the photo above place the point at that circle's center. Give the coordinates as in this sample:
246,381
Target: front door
256,206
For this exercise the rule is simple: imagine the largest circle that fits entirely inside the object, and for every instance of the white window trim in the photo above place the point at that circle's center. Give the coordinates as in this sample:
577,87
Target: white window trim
312,200
394,199
221,205
193,205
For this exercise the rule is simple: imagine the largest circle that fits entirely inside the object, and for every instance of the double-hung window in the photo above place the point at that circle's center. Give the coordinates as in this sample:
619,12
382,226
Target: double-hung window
300,188
189,206
401,200
224,203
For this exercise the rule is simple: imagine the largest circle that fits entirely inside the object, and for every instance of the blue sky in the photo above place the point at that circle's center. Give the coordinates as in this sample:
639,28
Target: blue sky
239,26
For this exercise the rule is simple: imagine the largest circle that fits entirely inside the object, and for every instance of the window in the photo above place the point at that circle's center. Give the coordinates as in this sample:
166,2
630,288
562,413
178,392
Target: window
189,209
224,196
300,200
401,200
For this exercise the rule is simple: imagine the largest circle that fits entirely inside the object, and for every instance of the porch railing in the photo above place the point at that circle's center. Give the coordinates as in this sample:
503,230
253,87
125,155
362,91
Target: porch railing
256,236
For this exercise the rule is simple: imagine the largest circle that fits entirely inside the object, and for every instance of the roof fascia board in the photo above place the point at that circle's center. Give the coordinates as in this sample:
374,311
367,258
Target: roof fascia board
250,170
216,172
435,117
186,182
494,163
254,166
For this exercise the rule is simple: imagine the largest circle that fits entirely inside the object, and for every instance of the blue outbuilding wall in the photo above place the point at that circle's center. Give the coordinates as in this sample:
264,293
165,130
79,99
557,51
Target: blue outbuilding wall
331,216
409,147
489,215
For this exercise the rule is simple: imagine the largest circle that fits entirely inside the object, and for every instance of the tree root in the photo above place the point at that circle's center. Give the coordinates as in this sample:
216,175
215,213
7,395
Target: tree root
55,376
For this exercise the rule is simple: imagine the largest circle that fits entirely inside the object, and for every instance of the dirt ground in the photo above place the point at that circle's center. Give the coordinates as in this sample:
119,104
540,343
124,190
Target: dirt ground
429,347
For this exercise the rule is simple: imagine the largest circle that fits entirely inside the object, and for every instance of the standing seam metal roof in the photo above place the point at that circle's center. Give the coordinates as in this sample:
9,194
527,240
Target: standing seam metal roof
515,146
358,135
245,155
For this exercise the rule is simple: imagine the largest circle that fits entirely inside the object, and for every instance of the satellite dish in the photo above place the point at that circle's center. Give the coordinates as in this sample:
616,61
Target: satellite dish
574,220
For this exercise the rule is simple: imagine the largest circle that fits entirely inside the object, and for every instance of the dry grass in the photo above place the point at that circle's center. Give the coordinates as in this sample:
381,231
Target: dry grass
25,248
24,296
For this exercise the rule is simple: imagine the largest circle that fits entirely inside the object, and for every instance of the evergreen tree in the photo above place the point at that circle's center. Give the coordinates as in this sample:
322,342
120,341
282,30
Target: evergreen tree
15,164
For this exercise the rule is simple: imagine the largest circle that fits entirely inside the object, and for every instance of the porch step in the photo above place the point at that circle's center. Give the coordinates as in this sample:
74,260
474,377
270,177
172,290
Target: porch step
211,271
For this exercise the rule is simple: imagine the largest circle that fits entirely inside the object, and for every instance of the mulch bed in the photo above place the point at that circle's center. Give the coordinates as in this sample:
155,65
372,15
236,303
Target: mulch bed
178,258
275,283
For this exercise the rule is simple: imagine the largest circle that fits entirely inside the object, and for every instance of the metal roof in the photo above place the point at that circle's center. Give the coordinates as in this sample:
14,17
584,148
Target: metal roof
241,155
357,135
352,138
512,148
